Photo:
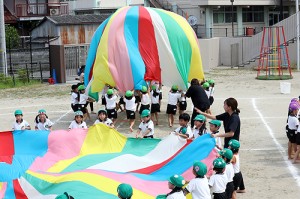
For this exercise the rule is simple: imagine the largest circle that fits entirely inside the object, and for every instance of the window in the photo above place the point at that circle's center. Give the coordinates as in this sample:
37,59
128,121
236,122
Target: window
223,14
253,14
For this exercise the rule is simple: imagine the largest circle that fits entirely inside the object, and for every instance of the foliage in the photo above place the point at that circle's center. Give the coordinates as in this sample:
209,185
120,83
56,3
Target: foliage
22,76
12,37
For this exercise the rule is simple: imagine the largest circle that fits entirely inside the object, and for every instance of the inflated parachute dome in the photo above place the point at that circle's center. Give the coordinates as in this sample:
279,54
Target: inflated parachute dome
91,163
139,44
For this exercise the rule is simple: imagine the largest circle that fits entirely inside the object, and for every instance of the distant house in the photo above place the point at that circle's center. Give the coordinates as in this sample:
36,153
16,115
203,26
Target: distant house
68,29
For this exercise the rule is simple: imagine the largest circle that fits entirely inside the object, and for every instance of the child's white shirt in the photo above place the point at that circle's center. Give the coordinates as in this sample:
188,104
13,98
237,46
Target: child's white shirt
111,102
83,99
173,98
176,195
74,99
211,91
145,99
188,131
199,188
207,93
229,171
182,98
44,126
218,183
130,104
293,122
236,166
17,126
145,126
154,100
107,122
75,125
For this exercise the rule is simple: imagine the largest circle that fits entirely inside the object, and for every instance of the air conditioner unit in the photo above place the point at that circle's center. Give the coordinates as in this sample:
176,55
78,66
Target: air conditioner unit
54,11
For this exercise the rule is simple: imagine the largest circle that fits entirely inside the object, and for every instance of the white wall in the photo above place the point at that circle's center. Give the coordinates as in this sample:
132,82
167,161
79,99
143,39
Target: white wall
209,49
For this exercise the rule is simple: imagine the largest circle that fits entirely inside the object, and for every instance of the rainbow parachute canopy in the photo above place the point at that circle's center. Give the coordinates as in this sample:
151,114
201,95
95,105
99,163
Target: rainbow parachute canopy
139,44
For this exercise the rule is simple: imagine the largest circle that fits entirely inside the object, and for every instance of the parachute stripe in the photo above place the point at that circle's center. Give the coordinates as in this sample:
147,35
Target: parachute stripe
19,193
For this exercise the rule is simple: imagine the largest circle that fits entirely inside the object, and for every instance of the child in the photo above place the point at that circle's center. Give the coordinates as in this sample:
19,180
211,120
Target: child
184,131
199,126
78,122
102,118
234,146
145,99
137,95
172,104
176,182
293,124
155,105
227,155
198,187
214,126
211,91
125,191
64,196
205,86
297,142
111,101
182,103
146,128
83,102
42,122
130,108
20,124
121,102
218,181
74,97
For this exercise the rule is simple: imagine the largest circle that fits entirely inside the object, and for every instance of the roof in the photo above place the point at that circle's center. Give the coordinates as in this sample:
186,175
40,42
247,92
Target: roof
76,19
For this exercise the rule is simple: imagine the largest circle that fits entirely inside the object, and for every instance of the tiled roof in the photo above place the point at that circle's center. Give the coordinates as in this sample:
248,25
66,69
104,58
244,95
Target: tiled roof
77,19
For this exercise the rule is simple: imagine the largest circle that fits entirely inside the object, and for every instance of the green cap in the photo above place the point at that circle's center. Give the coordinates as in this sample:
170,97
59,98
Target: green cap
234,144
200,118
227,153
153,87
124,190
200,168
177,180
42,111
215,122
81,87
79,113
211,81
63,196
144,89
102,111
219,163
205,85
175,87
145,113
110,92
128,93
18,112
161,197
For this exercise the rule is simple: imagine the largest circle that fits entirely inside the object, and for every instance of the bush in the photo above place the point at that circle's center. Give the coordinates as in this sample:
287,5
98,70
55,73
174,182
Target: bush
12,37
22,76
5,79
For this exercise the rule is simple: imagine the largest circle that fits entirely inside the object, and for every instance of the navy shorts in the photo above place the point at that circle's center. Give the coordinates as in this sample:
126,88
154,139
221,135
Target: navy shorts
298,138
220,195
291,134
112,113
155,108
130,115
182,105
229,190
171,109
237,180
143,107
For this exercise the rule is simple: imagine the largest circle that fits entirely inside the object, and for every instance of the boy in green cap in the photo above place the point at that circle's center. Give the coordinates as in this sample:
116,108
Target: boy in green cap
145,99
218,181
111,103
146,127
20,123
238,181
125,191
199,128
227,155
155,104
176,182
211,91
42,121
130,108
174,96
198,187
184,131
214,126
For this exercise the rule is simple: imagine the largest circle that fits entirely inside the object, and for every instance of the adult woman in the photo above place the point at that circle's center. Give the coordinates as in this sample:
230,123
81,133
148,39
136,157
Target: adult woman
230,118
199,98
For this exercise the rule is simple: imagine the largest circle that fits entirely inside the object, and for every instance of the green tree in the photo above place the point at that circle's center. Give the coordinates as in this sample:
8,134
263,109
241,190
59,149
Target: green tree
12,37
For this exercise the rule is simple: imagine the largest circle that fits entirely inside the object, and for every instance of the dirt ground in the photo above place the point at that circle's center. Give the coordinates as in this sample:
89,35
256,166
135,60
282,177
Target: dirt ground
267,172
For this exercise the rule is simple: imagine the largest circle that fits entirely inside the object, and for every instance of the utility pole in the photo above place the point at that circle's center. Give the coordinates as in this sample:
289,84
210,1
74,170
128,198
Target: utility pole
232,26
3,62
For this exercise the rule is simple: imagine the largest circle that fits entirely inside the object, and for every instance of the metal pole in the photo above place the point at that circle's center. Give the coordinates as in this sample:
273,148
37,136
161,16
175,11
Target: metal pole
50,67
232,17
297,27
3,61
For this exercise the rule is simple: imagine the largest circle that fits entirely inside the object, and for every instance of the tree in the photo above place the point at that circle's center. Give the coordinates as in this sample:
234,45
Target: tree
12,37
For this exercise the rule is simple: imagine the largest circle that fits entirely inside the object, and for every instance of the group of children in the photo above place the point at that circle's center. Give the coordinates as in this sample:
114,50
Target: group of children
293,129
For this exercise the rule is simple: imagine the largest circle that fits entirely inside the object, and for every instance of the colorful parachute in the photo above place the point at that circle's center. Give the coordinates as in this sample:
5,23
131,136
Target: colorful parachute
92,163
139,44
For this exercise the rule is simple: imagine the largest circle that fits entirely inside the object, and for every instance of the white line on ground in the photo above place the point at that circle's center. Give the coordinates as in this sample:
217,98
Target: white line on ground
62,116
15,107
262,149
34,112
290,166
254,118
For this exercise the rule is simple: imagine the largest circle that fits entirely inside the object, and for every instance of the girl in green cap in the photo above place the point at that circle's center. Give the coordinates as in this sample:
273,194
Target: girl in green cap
145,99
42,121
130,108
155,104
174,97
